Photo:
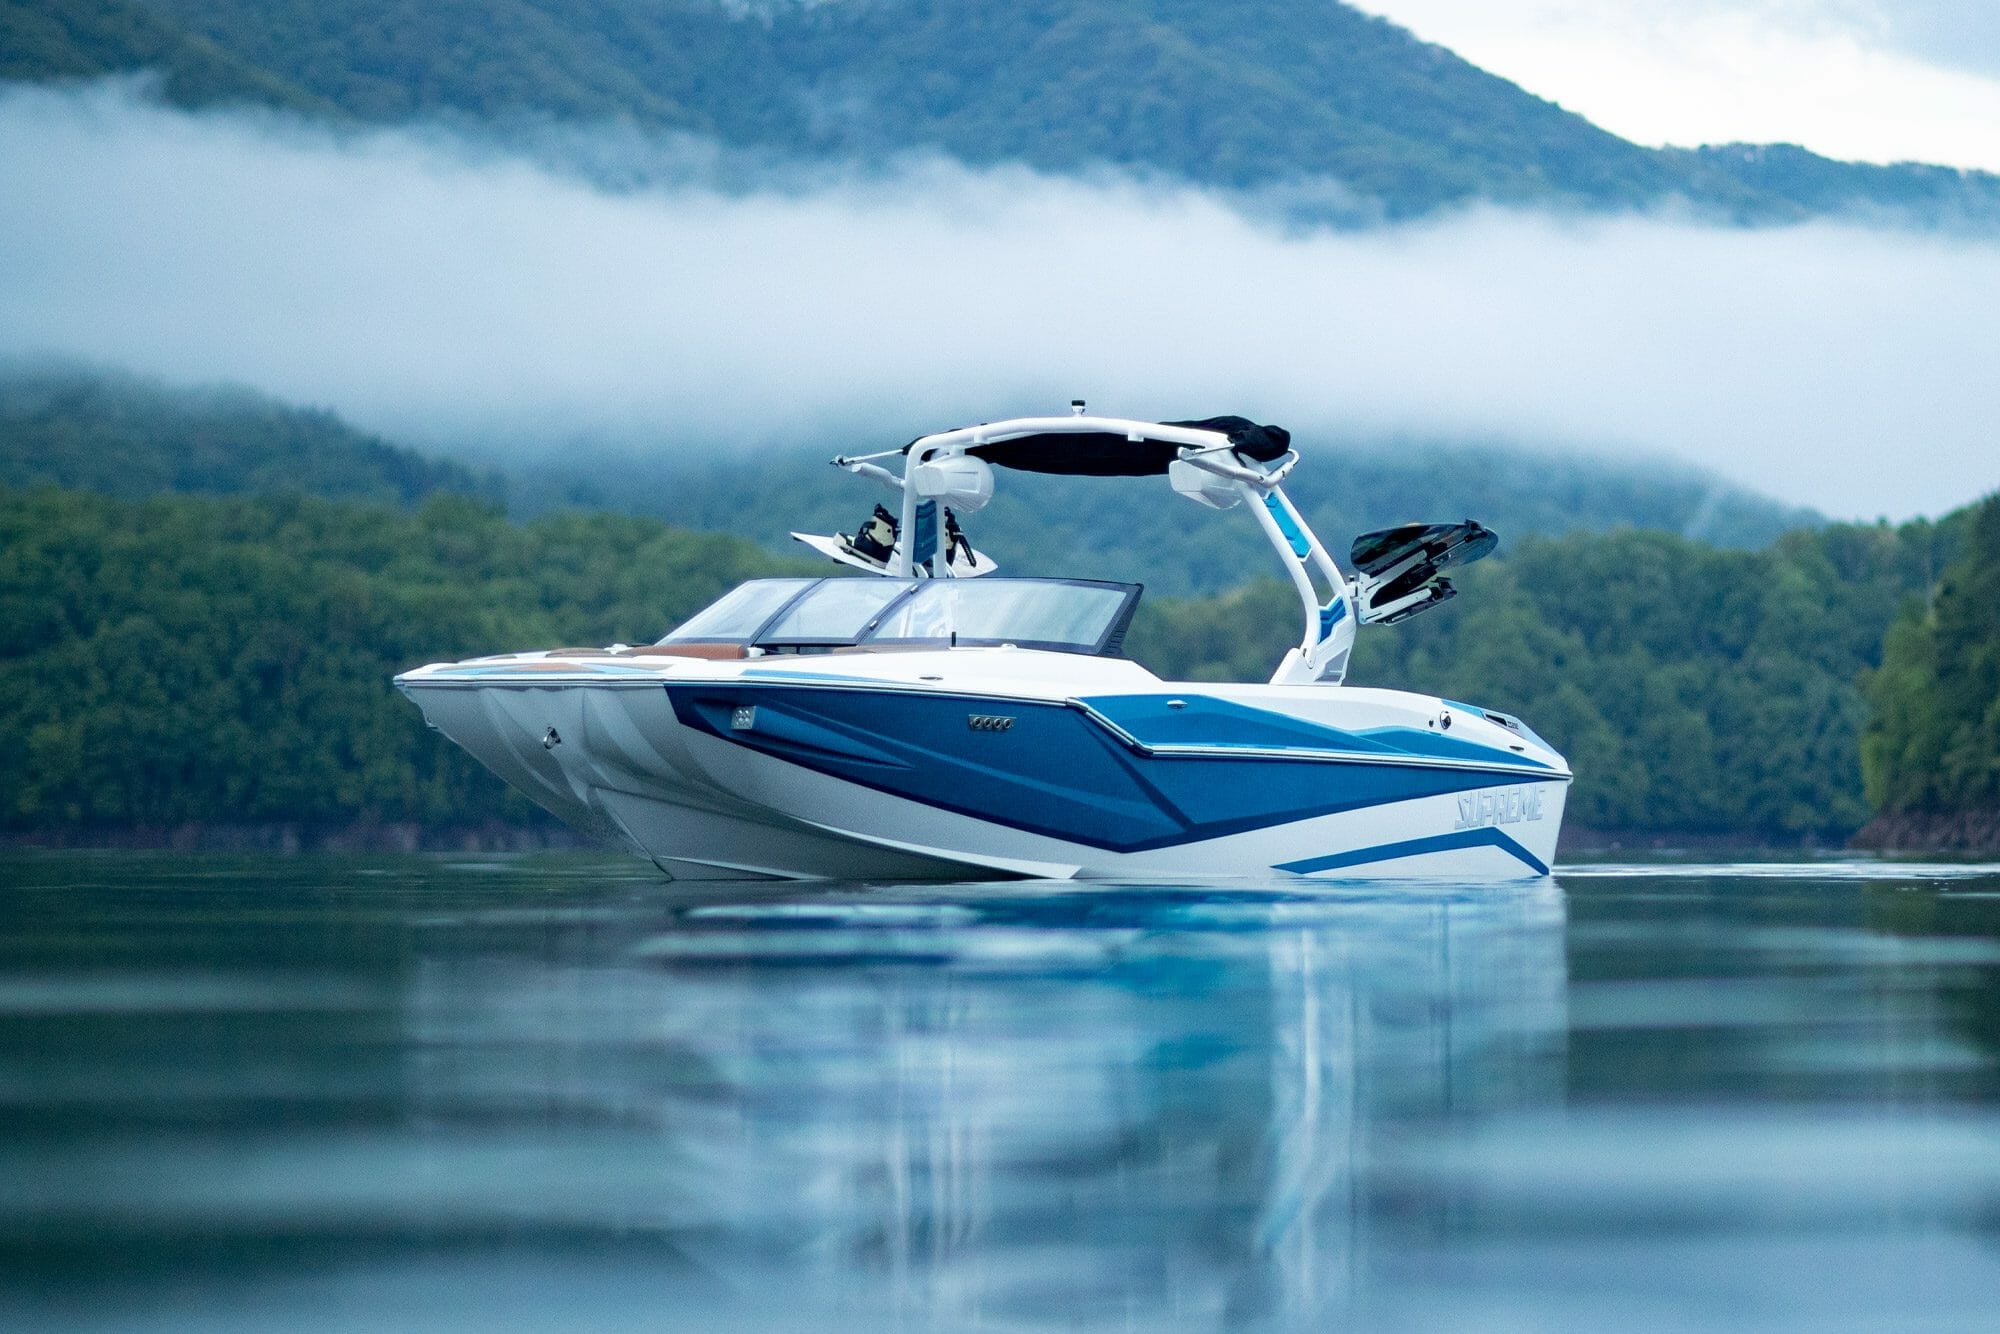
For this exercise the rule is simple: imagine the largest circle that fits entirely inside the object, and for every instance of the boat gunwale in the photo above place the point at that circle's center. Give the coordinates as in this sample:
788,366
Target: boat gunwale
1187,751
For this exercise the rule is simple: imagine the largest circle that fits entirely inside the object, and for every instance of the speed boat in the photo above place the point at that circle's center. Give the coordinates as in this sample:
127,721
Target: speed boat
936,720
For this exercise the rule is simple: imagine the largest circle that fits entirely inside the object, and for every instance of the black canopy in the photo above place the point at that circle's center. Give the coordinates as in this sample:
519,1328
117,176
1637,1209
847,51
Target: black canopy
1110,454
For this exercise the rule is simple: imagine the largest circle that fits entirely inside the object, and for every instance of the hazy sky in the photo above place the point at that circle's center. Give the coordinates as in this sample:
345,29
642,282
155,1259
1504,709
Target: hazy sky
1871,80
442,293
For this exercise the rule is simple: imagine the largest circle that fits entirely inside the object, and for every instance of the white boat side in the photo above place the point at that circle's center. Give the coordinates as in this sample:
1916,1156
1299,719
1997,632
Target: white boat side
604,743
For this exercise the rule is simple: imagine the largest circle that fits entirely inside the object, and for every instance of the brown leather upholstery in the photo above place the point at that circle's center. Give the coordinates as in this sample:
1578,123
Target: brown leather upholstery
715,652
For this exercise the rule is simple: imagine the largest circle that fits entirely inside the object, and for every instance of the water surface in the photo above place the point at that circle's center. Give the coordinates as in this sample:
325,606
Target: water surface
347,1092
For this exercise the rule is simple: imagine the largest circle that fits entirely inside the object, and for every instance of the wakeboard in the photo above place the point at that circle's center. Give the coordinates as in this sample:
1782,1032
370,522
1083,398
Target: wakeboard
966,563
1399,568
1375,554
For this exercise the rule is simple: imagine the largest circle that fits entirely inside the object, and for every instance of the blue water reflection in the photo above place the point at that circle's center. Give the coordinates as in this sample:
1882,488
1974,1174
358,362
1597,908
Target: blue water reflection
556,1091
991,1103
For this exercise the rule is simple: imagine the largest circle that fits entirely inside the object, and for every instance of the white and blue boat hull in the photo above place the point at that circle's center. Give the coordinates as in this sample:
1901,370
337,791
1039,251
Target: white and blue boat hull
939,721
760,771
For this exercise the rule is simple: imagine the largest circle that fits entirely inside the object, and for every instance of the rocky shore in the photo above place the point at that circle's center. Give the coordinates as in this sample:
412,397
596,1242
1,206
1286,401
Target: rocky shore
1931,831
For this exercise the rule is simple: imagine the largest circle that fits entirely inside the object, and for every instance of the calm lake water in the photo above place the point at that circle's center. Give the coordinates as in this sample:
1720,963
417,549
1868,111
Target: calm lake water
556,1090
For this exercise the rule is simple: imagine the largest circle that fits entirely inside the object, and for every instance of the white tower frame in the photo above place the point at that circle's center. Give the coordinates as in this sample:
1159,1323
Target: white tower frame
1322,653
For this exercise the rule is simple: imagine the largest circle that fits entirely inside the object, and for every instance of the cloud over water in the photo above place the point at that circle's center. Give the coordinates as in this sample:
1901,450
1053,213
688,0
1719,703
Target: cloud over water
448,291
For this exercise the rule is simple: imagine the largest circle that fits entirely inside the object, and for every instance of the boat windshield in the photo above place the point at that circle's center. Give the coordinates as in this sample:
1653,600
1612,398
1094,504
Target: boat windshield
817,615
1075,616
741,612
838,611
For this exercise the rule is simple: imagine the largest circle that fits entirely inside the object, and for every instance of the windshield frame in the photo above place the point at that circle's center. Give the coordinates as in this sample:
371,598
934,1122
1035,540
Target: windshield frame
1110,643
764,638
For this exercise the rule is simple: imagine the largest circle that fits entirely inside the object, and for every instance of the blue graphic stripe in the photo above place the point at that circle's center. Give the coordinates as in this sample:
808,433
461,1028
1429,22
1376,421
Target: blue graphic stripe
1053,771
1215,724
1416,847
1300,547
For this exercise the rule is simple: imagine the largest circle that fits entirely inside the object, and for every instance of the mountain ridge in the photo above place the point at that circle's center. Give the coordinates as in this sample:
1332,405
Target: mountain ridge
124,435
1249,96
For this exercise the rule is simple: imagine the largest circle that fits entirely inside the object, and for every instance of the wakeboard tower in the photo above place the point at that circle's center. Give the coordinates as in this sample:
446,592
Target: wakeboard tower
1398,572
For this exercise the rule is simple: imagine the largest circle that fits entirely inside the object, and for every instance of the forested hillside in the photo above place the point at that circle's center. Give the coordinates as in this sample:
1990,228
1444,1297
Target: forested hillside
1259,93
1932,752
226,661
131,437
1695,690
43,40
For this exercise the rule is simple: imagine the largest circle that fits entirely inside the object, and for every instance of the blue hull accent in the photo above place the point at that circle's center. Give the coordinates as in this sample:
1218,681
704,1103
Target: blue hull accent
1221,724
1046,768
1415,847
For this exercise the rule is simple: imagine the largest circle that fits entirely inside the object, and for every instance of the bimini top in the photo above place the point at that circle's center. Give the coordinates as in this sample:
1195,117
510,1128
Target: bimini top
1090,453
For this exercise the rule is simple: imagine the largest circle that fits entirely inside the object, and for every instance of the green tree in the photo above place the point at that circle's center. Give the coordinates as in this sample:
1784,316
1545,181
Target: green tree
1933,743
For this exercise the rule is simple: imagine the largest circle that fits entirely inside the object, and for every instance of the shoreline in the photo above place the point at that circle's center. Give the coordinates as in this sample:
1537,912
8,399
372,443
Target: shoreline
286,837
1931,831
1903,833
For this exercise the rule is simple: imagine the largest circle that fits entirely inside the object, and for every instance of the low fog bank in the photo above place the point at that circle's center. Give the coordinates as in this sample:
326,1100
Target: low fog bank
442,291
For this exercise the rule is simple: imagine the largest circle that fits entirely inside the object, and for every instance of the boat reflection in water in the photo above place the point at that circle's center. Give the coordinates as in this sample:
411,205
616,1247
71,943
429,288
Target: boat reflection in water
278,1093
1005,1103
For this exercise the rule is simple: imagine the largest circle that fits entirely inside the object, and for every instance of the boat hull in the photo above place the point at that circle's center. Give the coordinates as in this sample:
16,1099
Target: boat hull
823,780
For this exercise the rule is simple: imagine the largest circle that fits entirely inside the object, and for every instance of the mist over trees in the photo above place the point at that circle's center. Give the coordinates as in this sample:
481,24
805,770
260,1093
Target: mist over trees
125,436
131,437
1134,529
